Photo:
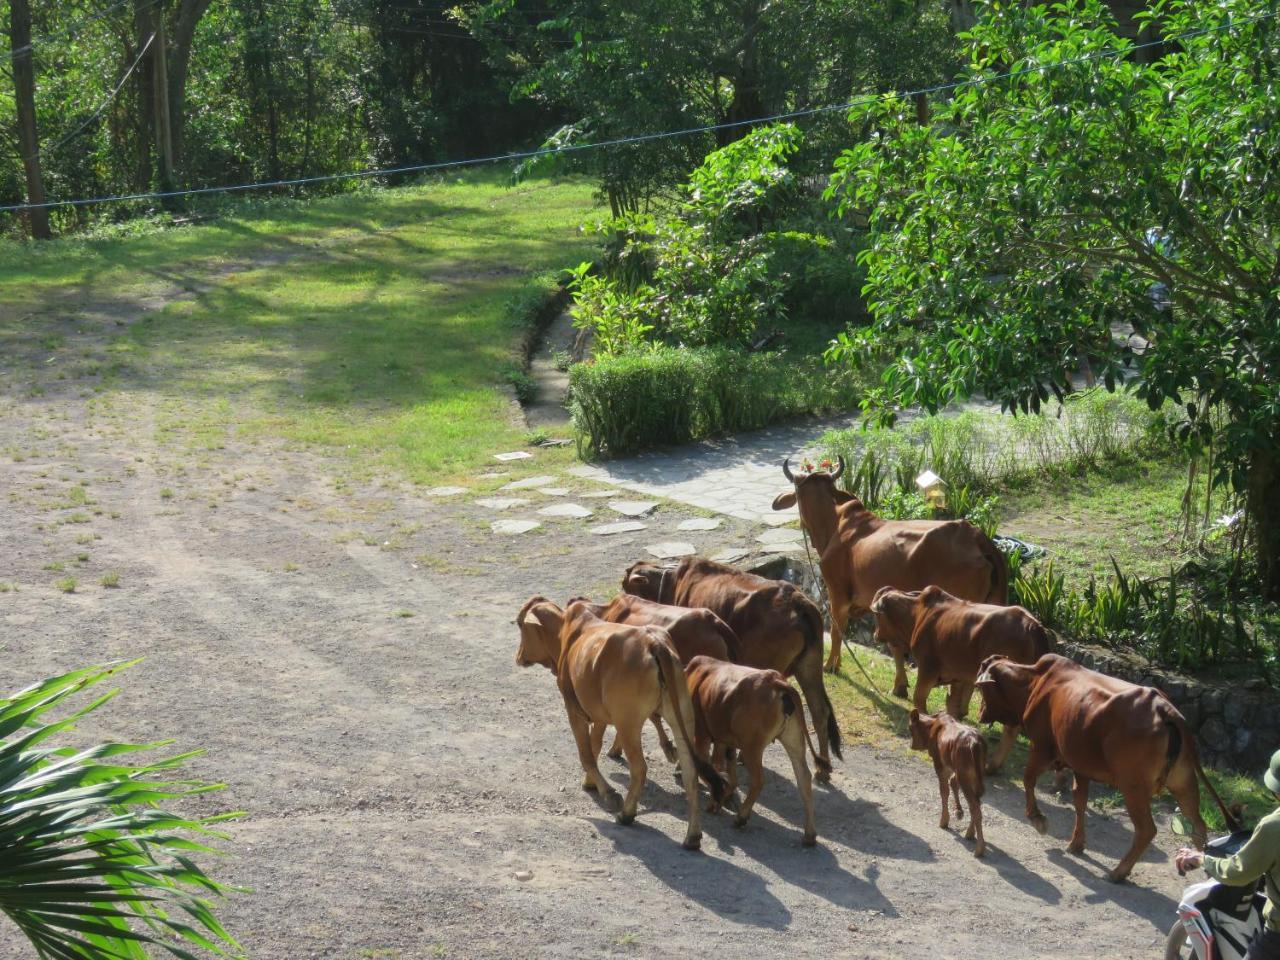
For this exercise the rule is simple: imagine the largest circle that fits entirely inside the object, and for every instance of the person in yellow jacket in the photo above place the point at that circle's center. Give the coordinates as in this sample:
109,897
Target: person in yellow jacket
1259,857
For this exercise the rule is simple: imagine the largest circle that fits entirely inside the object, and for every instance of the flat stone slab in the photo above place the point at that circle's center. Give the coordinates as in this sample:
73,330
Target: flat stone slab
554,491
622,526
500,503
493,475
514,526
445,491
633,508
598,494
670,550
528,482
575,510
779,518
731,554
514,455
780,535
700,523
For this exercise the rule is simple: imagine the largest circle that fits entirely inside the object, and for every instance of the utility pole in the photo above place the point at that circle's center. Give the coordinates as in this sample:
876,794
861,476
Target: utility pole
24,83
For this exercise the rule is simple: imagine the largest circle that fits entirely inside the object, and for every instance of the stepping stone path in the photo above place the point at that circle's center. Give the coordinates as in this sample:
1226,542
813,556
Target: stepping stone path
731,554
500,503
514,526
554,491
622,526
598,494
516,455
780,535
493,475
574,510
445,491
700,523
670,550
529,482
633,508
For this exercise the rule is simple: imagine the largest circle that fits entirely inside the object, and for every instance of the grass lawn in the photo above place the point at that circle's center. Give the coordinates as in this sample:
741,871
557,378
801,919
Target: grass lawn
376,323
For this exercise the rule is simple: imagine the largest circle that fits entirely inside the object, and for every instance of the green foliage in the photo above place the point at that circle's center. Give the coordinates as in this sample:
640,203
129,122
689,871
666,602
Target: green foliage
92,867
667,395
1036,211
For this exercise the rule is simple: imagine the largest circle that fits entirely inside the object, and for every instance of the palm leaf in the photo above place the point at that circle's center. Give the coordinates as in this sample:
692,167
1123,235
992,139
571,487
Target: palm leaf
91,866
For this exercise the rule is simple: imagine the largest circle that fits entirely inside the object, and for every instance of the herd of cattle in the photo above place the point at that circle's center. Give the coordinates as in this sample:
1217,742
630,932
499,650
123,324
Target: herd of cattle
708,648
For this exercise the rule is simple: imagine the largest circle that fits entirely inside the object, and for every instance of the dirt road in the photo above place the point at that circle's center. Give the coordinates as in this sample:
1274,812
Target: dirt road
345,656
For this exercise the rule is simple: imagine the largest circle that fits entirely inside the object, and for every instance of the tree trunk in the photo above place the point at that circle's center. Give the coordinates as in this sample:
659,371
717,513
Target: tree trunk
144,27
1264,513
24,84
182,35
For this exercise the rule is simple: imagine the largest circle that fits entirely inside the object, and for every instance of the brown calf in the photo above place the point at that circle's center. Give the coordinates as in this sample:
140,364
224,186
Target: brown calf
619,675
1126,736
695,633
858,552
949,638
777,626
959,753
745,709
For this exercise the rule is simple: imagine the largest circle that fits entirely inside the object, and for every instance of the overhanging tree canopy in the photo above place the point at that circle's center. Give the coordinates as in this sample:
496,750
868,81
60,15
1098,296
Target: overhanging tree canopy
1038,216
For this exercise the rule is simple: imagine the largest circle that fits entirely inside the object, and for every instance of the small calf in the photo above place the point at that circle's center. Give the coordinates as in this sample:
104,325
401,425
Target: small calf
745,709
959,754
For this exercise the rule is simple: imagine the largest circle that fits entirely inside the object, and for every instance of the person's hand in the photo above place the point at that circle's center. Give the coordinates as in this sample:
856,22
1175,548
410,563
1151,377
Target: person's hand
1187,859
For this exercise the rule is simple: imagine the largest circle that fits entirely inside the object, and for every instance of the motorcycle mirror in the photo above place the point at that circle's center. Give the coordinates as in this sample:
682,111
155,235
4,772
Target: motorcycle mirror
1179,825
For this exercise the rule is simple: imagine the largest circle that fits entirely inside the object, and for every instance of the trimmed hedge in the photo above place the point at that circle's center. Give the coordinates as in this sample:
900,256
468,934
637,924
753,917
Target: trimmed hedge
666,395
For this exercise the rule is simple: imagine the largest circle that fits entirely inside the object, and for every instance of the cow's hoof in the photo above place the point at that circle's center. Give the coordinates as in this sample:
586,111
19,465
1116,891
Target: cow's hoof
693,842
900,692
740,821
944,823
831,668
588,784
1074,848
992,768
624,819
1040,823
1115,876
810,840
980,850
822,776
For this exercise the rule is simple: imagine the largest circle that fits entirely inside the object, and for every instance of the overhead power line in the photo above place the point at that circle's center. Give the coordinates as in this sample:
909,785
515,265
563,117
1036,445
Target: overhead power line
640,138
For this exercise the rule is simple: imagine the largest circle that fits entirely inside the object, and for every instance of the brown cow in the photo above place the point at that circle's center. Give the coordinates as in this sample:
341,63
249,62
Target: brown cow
619,675
859,553
694,633
745,709
958,753
949,638
1129,737
777,626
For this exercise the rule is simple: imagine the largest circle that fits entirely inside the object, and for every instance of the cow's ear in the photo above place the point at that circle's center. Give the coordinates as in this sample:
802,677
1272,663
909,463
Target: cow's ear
785,501
531,619
841,496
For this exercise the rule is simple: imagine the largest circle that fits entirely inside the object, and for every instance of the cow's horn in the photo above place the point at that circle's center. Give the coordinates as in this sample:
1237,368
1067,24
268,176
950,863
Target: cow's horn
786,469
985,677
836,475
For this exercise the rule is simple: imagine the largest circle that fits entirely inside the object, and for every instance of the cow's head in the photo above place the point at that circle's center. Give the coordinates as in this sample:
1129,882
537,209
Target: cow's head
895,617
647,580
1004,690
921,729
539,621
817,495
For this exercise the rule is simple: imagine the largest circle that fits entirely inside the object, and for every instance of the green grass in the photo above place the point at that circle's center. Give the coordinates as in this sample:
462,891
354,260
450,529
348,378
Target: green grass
374,324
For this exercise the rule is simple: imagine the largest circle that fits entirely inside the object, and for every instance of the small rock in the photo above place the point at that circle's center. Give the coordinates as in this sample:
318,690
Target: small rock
700,523
445,491
633,508
524,875
554,491
731,554
500,503
514,526
622,526
577,511
670,550
515,455
780,535
528,482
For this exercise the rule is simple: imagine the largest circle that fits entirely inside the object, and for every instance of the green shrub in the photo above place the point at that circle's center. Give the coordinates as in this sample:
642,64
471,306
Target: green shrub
667,395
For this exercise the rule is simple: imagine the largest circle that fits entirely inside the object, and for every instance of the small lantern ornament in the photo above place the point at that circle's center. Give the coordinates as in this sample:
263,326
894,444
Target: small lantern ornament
932,489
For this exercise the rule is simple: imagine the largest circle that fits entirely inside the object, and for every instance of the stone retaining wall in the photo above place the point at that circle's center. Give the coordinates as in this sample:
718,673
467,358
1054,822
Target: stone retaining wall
1237,724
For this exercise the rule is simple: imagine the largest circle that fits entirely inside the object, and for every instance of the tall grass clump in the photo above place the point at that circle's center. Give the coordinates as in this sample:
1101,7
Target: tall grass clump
669,395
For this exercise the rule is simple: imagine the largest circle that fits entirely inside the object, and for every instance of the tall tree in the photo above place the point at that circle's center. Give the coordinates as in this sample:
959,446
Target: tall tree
24,82
1042,215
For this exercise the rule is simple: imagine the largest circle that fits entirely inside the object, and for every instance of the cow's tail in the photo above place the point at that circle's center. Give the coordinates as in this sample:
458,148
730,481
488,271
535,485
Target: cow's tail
977,748
999,593
671,678
791,705
811,624
1182,742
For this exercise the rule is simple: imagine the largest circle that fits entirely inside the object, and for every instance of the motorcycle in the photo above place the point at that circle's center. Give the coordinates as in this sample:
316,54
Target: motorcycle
1215,921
